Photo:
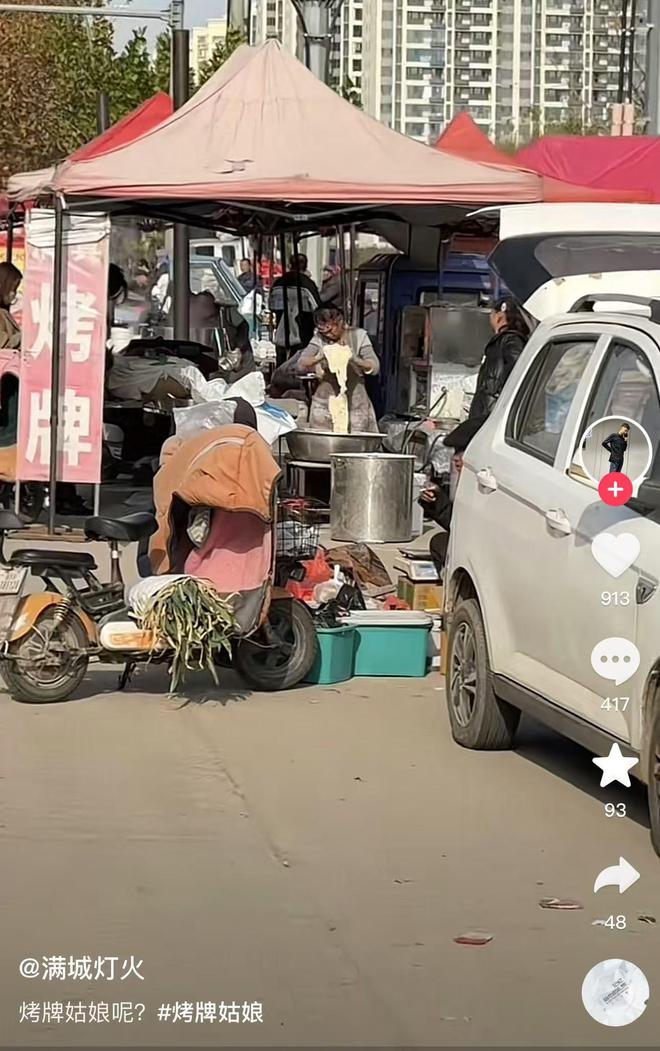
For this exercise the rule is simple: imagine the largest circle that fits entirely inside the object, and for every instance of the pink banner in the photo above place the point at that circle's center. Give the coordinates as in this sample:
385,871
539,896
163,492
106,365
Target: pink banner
82,368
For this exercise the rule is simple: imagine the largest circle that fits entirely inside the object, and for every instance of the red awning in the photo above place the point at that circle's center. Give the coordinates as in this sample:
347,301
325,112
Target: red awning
562,182
626,163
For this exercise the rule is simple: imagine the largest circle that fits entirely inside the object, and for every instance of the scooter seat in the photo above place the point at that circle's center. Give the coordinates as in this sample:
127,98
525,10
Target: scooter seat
44,557
129,528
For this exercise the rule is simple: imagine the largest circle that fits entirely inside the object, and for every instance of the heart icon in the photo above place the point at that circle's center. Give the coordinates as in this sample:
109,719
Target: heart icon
615,552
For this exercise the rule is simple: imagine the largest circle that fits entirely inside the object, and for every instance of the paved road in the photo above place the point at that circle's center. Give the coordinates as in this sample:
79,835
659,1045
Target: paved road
317,851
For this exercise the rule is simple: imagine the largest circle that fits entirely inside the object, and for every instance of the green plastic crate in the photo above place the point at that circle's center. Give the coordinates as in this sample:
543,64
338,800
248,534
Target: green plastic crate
335,660
396,651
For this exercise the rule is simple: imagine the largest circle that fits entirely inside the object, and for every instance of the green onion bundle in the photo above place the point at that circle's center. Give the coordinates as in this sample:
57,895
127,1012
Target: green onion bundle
191,618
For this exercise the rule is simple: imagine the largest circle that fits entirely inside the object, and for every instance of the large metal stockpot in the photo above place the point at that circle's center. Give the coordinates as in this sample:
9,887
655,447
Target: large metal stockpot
371,497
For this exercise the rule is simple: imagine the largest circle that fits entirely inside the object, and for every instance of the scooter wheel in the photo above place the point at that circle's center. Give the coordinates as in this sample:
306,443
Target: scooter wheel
287,658
49,663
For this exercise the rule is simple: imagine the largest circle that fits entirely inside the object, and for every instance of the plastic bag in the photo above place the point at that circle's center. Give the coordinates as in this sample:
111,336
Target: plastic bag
192,419
273,422
142,594
251,388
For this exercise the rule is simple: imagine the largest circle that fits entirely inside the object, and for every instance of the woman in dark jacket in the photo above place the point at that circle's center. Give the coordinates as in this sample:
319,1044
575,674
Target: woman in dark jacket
501,353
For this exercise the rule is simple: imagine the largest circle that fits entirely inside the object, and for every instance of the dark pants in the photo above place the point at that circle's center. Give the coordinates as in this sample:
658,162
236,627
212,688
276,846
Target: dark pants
438,546
616,466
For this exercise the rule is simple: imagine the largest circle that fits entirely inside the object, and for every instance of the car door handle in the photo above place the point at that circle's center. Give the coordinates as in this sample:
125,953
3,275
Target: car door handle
487,480
645,590
558,522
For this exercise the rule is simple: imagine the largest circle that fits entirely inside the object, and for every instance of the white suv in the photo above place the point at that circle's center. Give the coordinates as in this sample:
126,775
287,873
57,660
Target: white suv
526,600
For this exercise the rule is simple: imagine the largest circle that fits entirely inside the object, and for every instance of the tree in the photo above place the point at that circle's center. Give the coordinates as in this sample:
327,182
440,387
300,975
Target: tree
163,62
52,71
49,66
132,76
221,52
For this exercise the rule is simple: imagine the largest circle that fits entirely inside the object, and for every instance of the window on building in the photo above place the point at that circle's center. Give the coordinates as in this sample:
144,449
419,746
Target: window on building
416,130
556,95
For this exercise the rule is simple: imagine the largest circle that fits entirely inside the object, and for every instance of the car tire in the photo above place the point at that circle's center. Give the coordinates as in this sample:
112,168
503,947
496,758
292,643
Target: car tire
478,718
653,781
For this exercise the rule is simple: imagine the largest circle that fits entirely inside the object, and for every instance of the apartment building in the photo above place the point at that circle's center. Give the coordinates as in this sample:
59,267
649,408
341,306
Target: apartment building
346,60
275,18
520,66
385,55
203,40
400,55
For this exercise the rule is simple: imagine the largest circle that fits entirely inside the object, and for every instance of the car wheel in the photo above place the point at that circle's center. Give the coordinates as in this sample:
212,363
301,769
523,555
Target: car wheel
478,718
653,781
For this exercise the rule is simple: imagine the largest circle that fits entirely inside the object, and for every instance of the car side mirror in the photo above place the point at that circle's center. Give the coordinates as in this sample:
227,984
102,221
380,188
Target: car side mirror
648,494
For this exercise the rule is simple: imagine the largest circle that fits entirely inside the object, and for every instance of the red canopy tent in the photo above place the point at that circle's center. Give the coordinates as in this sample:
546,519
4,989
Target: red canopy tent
561,183
464,138
602,163
136,123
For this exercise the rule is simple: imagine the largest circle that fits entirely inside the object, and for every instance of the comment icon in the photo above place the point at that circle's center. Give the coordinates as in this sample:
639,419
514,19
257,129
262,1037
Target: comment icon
615,659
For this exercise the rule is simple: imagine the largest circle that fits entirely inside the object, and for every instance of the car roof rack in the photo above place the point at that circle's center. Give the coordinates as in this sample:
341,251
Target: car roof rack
586,304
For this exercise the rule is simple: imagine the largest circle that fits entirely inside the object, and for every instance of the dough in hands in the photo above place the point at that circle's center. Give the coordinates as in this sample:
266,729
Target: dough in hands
338,356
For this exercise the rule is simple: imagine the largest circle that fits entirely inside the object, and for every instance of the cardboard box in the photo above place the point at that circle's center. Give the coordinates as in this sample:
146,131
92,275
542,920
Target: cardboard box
420,596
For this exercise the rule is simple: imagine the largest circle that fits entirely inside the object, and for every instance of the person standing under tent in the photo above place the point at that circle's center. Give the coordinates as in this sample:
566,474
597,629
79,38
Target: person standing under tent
298,295
331,328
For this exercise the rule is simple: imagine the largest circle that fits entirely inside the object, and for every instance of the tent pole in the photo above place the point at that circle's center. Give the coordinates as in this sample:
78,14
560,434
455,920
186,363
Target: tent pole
58,287
10,237
285,316
181,260
351,264
342,267
256,270
102,112
271,278
296,250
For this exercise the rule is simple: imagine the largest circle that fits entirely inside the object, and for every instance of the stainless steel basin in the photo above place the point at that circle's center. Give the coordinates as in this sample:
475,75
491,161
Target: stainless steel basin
319,446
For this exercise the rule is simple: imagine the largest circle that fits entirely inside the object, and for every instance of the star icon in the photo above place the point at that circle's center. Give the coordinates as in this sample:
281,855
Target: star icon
615,767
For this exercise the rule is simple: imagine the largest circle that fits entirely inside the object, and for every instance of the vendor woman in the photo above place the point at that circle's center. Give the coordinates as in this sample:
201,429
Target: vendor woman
331,327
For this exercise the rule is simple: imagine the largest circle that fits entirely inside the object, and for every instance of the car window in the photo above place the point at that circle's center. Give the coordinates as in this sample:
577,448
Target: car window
543,402
626,387
203,279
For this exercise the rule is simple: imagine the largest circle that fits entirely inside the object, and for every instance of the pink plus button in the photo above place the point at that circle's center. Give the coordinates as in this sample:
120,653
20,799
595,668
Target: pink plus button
615,489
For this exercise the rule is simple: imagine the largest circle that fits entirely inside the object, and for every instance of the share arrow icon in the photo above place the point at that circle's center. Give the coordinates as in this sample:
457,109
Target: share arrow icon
622,876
